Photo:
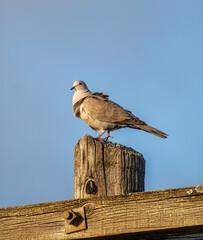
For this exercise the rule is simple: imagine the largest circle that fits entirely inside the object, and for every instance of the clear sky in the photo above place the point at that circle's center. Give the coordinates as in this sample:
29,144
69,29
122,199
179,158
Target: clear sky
146,54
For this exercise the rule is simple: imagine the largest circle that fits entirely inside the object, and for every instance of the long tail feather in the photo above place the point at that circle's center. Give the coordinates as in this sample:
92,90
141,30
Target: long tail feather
154,131
150,129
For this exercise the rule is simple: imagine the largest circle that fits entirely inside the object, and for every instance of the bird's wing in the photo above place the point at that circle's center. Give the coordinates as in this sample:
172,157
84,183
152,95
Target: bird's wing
99,107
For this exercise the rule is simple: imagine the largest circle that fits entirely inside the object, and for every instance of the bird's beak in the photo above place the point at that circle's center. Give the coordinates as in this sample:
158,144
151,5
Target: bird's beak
72,88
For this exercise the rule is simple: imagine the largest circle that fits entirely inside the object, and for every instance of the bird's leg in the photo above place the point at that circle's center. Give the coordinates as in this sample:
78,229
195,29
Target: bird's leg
107,136
101,133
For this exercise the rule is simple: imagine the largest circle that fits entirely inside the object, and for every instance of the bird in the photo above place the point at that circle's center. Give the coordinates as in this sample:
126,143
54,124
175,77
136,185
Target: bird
102,114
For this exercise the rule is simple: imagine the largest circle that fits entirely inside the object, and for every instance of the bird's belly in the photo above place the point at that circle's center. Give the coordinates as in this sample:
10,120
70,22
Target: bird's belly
97,124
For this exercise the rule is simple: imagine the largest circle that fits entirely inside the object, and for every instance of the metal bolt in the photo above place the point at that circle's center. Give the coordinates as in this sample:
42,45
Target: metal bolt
72,217
75,219
67,215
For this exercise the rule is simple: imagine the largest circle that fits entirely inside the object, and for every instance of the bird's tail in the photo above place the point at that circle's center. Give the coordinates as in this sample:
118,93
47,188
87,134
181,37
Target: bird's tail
152,130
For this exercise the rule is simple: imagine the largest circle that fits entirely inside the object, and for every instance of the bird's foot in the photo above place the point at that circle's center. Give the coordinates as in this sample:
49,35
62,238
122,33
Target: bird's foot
107,136
100,134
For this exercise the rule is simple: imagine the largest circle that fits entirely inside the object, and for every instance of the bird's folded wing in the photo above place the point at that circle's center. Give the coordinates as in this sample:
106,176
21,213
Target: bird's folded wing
99,107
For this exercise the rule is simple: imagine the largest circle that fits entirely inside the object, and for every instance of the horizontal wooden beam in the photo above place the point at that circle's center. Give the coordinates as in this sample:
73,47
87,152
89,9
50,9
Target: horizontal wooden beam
154,214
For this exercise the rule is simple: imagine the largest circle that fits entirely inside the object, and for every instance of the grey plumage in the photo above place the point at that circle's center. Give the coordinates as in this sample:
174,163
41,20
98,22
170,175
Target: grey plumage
102,114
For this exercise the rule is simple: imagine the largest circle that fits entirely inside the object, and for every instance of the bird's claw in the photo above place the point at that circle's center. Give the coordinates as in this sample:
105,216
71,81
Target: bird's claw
106,138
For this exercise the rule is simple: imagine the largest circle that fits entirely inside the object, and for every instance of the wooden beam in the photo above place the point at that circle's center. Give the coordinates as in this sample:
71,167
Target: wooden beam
147,215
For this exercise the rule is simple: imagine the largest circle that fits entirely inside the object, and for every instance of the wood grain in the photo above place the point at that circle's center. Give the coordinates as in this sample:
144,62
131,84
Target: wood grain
161,214
114,168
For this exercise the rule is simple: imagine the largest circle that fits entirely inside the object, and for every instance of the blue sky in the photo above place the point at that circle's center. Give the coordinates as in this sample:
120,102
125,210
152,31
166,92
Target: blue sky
147,55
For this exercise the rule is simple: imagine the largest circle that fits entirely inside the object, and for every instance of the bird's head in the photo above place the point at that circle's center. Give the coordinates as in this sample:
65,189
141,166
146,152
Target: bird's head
80,86
81,91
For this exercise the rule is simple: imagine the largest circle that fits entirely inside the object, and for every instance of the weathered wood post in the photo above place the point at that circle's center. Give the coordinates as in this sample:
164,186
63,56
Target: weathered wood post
105,169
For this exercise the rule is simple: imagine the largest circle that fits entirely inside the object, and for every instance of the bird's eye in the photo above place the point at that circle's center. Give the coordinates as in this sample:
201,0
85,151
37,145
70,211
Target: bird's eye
80,83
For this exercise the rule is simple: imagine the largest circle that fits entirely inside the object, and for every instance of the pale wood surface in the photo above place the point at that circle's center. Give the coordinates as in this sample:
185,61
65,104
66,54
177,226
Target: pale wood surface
150,215
114,168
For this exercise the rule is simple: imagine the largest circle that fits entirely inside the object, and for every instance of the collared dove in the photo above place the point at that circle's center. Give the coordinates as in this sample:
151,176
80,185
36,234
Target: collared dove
102,114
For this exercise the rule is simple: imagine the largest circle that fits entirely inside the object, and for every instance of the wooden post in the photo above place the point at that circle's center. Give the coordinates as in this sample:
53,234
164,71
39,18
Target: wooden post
106,169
